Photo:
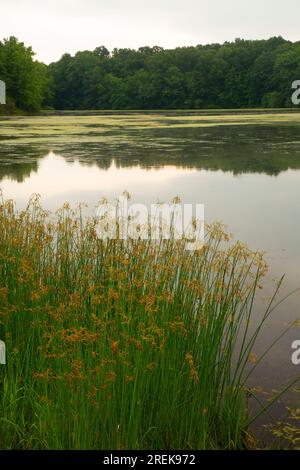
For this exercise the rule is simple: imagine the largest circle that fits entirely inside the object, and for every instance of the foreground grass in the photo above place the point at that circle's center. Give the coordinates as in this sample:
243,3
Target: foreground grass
122,345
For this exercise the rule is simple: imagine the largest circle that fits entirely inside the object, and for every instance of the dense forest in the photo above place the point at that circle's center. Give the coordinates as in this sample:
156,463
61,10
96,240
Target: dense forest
27,81
240,74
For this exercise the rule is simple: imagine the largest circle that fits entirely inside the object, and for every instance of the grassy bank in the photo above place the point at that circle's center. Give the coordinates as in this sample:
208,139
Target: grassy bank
122,345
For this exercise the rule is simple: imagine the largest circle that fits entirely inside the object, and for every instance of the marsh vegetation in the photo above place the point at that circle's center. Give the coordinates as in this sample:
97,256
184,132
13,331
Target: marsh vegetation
123,344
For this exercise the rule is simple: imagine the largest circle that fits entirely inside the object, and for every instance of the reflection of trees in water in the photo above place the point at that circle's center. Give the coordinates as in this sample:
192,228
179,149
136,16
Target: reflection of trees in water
239,149
17,172
17,162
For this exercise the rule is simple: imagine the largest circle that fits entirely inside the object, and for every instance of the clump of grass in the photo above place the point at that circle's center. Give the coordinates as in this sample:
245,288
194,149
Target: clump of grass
122,344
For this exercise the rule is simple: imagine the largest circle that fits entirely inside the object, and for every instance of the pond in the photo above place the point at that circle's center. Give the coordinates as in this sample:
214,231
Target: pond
245,168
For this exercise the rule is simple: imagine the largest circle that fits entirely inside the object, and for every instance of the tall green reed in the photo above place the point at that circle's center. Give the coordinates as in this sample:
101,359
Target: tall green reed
122,344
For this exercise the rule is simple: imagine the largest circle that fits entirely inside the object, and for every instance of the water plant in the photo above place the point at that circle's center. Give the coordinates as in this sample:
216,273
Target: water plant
115,344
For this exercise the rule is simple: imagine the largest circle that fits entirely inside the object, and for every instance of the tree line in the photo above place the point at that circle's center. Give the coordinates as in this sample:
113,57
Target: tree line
239,74
27,80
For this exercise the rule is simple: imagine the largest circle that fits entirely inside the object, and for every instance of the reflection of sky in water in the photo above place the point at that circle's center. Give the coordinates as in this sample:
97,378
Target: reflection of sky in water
258,208
60,179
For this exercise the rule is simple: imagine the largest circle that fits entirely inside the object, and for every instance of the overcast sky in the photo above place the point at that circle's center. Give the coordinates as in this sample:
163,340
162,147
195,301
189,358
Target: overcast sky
53,27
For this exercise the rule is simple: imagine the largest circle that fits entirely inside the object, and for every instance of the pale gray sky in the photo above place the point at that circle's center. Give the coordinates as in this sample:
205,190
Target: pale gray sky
53,27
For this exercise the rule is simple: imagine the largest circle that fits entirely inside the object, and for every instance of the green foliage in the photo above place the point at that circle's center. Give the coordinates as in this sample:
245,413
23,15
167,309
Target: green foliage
26,79
241,74
233,75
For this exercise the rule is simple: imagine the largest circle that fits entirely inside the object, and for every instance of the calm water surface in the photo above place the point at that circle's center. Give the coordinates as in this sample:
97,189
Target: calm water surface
248,176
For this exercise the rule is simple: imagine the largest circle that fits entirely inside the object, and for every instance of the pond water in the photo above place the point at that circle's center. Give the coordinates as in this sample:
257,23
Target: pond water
244,168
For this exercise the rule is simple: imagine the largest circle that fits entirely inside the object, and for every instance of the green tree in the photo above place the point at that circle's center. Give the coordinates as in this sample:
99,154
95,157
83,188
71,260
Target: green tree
26,79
